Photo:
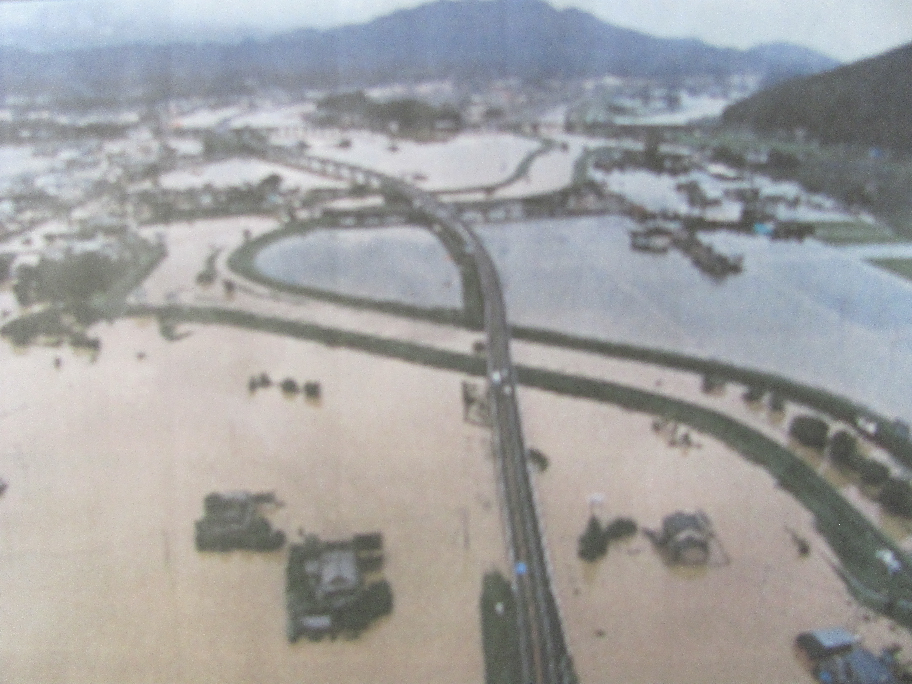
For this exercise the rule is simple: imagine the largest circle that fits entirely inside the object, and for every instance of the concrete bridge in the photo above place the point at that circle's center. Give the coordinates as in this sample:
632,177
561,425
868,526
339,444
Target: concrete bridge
544,654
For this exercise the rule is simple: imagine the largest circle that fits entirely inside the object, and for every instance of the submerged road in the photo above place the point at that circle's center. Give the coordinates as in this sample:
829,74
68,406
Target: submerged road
544,655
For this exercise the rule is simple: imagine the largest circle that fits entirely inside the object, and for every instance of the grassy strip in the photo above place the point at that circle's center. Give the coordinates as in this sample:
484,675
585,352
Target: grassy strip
854,234
831,404
172,315
499,631
854,540
901,267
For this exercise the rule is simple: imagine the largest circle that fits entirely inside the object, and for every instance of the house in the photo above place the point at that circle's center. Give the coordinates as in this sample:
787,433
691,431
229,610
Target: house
823,643
835,656
338,572
233,520
653,238
685,538
857,666
329,589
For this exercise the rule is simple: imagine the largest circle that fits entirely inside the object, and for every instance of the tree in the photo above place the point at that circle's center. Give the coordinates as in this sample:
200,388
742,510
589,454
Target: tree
809,431
778,160
593,543
843,449
75,278
776,402
753,394
896,497
538,459
289,386
270,184
872,472
619,528
499,634
727,155
6,264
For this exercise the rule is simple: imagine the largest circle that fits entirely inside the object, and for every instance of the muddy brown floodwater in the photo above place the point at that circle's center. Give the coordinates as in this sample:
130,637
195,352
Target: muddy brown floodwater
108,463
632,618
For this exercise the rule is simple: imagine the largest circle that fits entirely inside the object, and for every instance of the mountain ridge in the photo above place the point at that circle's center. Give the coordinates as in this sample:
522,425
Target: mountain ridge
867,102
526,39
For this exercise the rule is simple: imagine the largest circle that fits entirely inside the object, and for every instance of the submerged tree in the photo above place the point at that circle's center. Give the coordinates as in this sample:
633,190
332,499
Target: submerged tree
896,497
809,431
539,460
843,449
592,544
289,386
872,472
619,528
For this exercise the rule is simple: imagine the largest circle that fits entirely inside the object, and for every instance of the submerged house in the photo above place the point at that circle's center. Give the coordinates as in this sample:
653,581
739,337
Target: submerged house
338,572
835,656
233,520
328,591
685,538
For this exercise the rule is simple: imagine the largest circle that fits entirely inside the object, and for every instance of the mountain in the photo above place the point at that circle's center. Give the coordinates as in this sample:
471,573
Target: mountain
781,61
868,102
472,39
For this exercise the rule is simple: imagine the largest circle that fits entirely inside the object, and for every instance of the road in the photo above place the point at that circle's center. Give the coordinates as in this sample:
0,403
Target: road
544,654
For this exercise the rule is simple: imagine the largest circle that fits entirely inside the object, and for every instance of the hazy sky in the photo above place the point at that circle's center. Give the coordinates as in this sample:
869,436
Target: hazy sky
845,29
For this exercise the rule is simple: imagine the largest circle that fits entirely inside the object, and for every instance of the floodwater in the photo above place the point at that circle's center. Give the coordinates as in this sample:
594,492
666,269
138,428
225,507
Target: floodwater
630,617
403,264
807,311
108,463
812,312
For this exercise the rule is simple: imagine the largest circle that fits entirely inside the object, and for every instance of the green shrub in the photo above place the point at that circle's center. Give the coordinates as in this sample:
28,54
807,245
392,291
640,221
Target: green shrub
843,449
539,460
872,472
753,394
593,544
619,528
809,431
500,638
896,497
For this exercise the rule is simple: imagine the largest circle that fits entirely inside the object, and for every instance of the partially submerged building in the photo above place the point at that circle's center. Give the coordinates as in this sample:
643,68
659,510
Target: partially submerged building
655,237
327,592
835,656
685,538
234,521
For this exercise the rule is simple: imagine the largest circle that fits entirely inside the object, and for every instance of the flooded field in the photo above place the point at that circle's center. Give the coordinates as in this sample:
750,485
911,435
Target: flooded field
465,161
403,264
632,618
240,172
108,463
806,311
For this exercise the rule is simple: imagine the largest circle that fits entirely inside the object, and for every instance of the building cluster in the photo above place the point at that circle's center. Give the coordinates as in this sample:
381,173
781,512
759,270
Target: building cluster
332,588
836,656
672,182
